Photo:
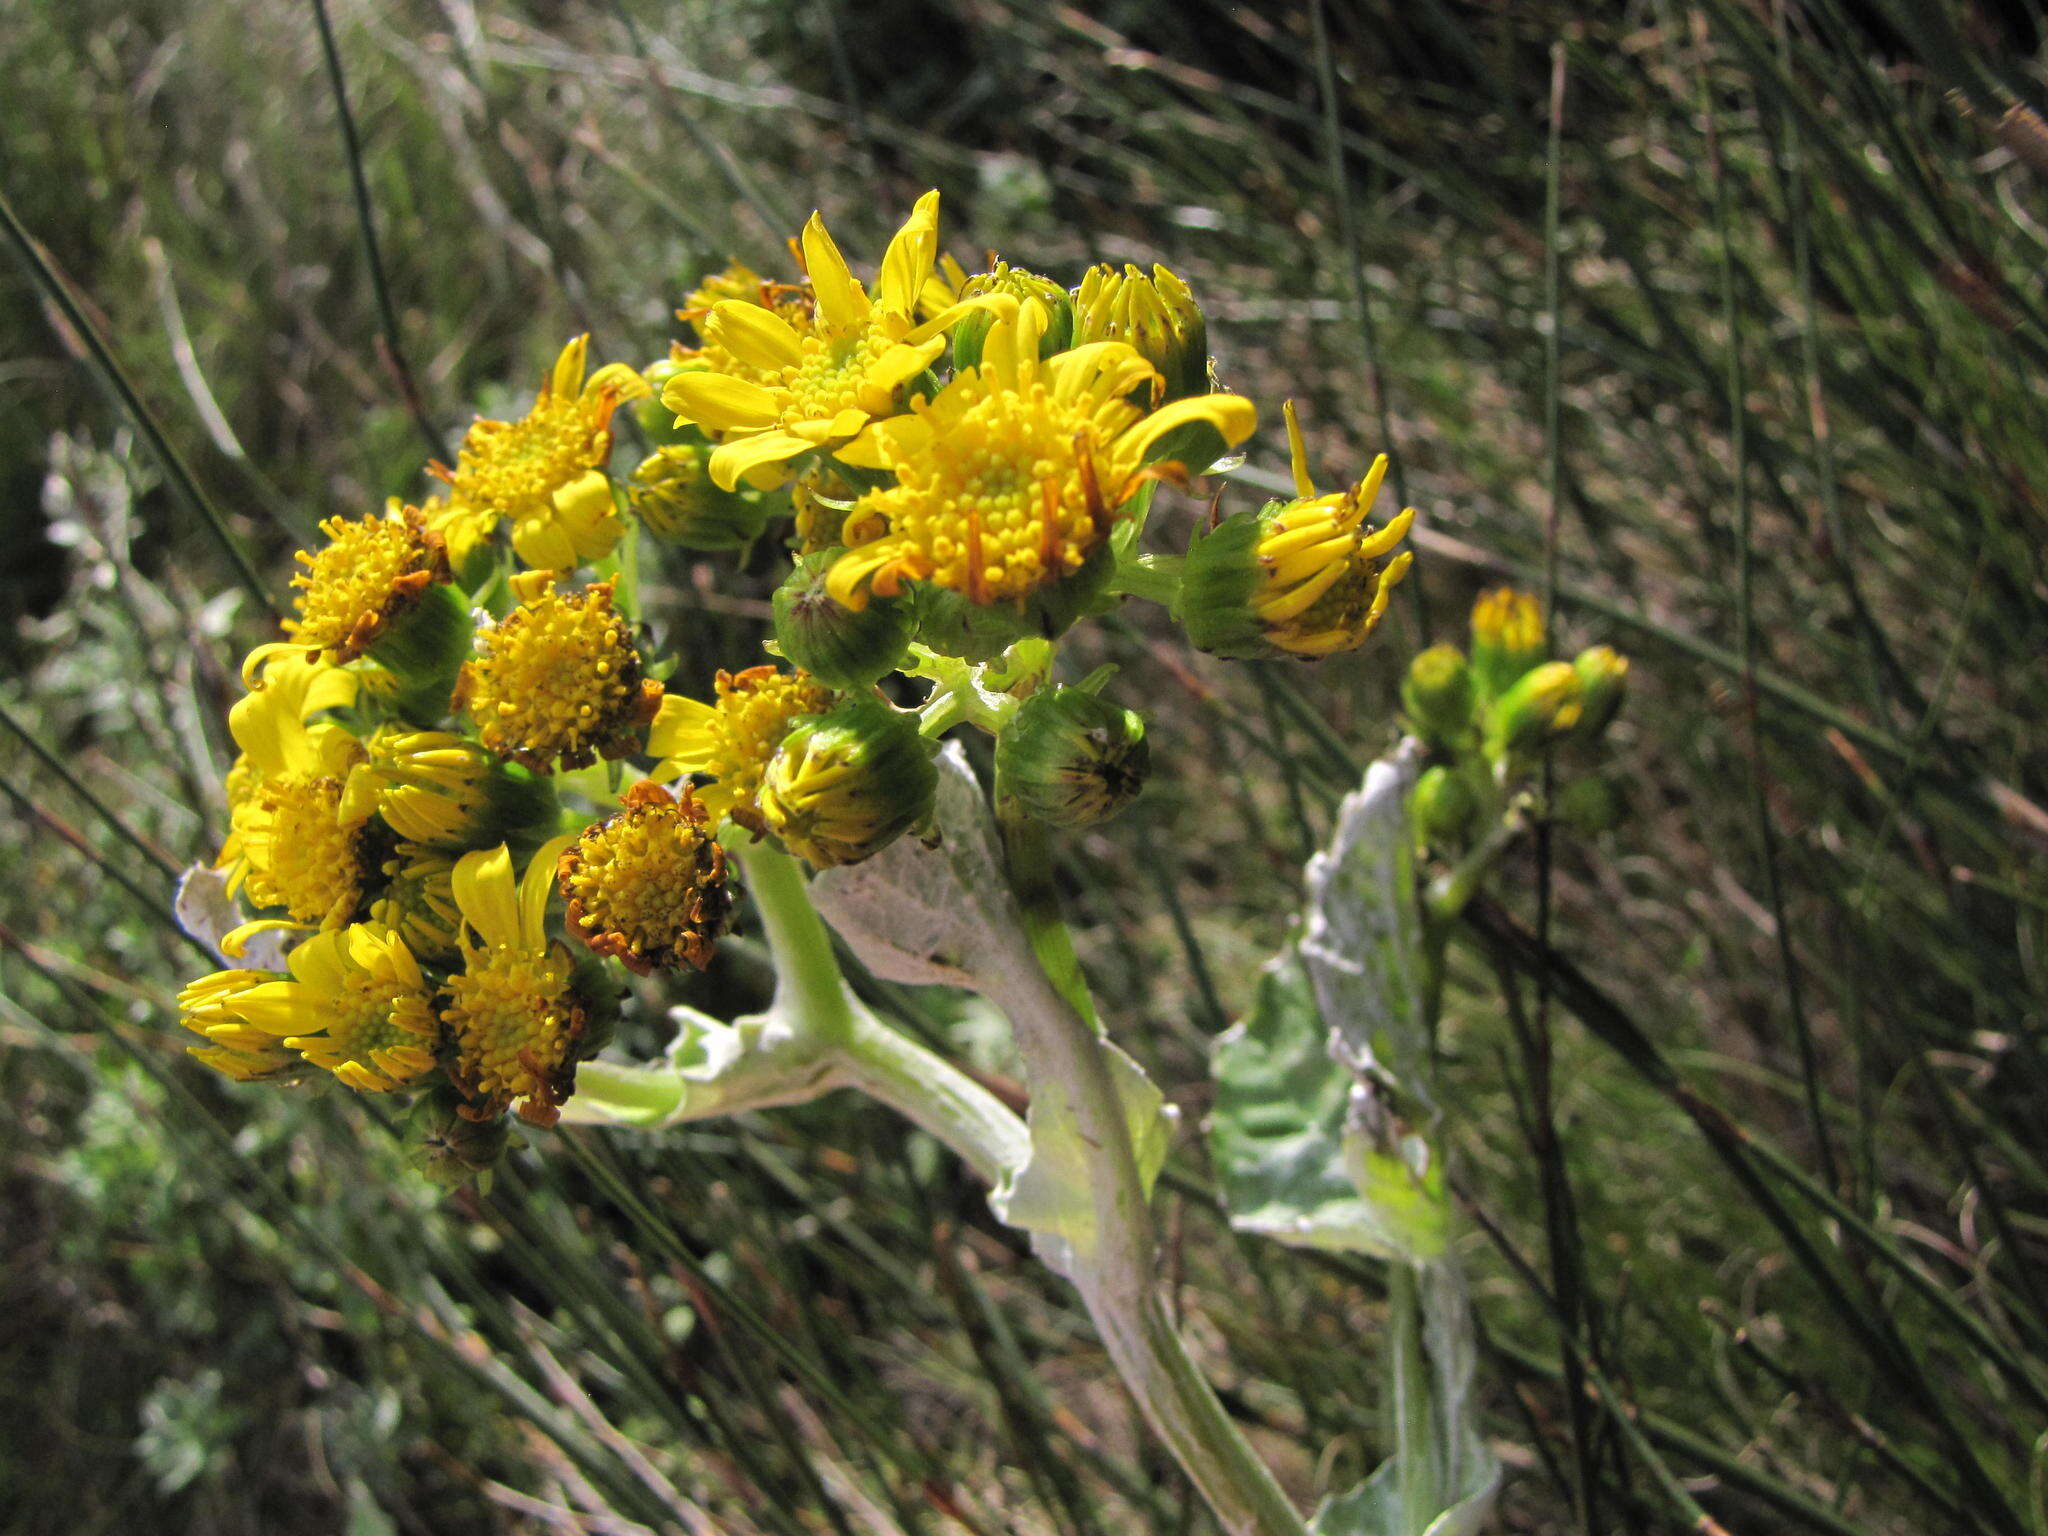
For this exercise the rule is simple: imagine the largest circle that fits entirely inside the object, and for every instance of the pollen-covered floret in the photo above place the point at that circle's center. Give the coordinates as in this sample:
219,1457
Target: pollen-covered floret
558,680
647,886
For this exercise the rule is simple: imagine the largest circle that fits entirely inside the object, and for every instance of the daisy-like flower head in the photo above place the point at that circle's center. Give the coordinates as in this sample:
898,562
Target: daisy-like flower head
731,740
1012,477
512,1016
558,679
739,284
292,842
370,574
792,388
647,885
544,473
1307,577
355,1004
417,901
845,785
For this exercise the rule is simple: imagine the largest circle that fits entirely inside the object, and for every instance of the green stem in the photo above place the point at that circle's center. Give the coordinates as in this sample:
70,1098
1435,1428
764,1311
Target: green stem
629,1095
807,972
936,1096
1155,578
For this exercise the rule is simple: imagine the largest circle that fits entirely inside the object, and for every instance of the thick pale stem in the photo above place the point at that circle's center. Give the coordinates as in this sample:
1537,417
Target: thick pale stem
937,1097
1117,1276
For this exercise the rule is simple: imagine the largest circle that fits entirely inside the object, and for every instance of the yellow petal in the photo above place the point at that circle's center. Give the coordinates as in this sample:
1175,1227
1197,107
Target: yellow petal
1233,417
565,379
624,382
719,401
543,543
908,261
842,302
682,731
895,368
1003,306
758,337
484,894
1304,487
534,889
729,461
837,427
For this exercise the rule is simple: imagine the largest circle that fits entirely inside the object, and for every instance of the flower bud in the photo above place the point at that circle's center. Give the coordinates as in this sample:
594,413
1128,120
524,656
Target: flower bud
841,647
674,496
1589,805
1507,639
448,1147
844,786
657,422
1603,675
1437,694
1543,704
1155,315
1071,758
953,624
1443,806
970,332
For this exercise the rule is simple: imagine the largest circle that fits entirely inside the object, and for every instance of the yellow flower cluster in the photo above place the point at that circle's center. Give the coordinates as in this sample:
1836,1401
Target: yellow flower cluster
461,791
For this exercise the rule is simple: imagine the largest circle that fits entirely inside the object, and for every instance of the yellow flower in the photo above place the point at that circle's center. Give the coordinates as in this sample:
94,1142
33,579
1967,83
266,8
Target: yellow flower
647,885
558,679
1013,476
1324,582
789,387
544,472
845,785
731,741
429,786
418,901
739,284
1304,578
292,842
512,1016
372,572
355,1004
1507,638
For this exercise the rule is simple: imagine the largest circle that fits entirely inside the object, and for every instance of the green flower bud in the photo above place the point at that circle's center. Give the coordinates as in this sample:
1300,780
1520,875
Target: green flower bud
1156,315
446,1146
674,496
1443,806
1590,805
1437,694
1071,758
1603,675
1507,639
841,647
1543,705
845,785
970,333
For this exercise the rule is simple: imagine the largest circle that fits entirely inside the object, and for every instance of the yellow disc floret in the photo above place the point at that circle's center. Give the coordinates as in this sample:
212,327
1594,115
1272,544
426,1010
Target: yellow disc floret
1010,479
512,1016
305,853
647,886
731,741
558,679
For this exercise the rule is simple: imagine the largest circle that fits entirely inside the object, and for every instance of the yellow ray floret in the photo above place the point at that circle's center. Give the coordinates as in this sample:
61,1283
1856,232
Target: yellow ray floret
355,1004
511,1013
544,472
731,740
558,680
1012,477
429,786
647,886
797,383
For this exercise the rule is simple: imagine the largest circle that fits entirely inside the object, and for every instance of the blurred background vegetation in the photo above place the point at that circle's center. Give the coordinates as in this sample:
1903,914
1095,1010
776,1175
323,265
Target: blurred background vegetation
1793,1225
